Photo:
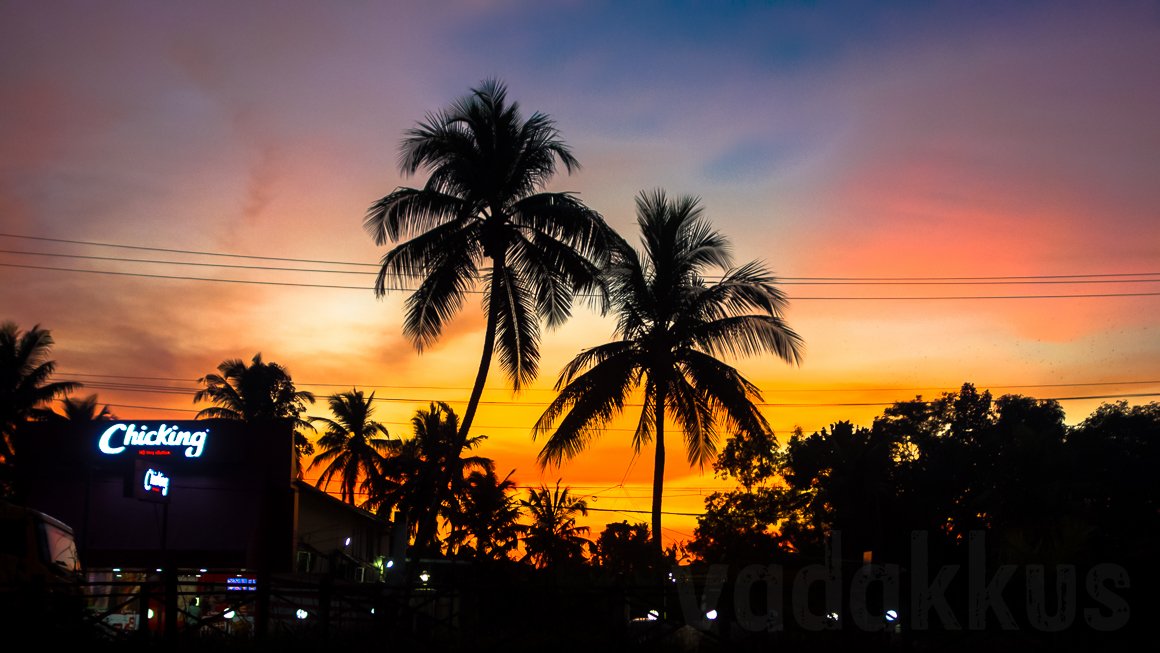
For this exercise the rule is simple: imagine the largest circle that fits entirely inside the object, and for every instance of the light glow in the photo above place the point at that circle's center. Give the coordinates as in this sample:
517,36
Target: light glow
156,481
162,436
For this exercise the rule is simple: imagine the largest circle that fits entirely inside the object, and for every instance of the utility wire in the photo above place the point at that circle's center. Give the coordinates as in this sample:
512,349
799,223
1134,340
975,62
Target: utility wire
169,390
299,384
184,251
990,386
187,278
647,512
264,268
786,281
479,292
827,280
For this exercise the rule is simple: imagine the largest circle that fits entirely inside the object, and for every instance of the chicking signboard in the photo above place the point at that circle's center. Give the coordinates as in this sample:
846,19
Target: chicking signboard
160,440
224,489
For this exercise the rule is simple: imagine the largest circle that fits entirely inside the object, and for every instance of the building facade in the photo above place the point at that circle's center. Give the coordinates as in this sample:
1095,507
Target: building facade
210,510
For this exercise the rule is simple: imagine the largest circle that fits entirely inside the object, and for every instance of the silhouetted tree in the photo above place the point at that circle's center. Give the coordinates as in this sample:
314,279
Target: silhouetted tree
353,446
255,393
77,411
25,370
739,527
847,473
553,539
426,478
1114,455
1043,495
752,521
482,215
488,516
626,550
672,326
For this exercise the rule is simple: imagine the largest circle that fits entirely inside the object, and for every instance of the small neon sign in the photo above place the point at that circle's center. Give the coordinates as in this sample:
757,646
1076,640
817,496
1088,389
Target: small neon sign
241,584
156,482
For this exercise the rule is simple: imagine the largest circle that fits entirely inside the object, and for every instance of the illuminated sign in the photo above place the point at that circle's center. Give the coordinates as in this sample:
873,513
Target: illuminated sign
156,482
241,584
119,437
149,482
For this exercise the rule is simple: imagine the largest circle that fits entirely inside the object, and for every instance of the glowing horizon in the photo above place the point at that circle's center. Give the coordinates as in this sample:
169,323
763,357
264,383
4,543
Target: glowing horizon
848,141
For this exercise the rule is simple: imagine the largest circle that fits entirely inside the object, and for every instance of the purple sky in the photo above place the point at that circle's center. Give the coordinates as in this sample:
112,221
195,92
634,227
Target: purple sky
844,140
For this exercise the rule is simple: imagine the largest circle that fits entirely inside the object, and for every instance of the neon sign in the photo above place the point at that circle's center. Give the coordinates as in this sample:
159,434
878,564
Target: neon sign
162,436
241,584
156,482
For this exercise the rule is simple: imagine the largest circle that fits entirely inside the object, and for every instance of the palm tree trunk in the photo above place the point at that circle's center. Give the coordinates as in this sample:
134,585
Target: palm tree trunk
481,375
425,535
658,467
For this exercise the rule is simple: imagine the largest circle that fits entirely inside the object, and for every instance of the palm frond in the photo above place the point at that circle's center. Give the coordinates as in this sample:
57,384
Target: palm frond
749,335
730,395
587,403
692,410
409,212
593,356
647,423
517,337
439,297
216,412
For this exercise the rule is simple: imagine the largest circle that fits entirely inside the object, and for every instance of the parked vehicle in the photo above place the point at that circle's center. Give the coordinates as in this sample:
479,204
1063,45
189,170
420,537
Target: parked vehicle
40,573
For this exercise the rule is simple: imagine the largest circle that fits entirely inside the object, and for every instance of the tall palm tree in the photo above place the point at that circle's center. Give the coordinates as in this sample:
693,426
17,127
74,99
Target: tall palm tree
25,370
426,478
259,392
481,216
78,411
353,446
672,327
553,538
488,516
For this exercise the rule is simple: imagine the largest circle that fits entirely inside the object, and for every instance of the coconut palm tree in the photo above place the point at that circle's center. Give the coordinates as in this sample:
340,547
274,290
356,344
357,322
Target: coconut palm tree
488,516
77,411
672,327
553,538
259,392
426,478
25,370
482,217
353,447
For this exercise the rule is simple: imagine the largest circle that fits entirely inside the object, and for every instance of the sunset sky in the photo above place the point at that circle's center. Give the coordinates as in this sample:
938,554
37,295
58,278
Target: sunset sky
903,140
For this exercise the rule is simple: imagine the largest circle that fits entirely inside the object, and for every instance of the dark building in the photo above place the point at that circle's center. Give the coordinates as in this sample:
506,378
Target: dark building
214,501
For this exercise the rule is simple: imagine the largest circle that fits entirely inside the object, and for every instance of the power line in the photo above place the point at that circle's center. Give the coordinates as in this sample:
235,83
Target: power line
296,383
179,410
947,297
891,403
990,386
264,268
511,403
478,292
979,279
186,278
183,251
1109,278
839,280
646,512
